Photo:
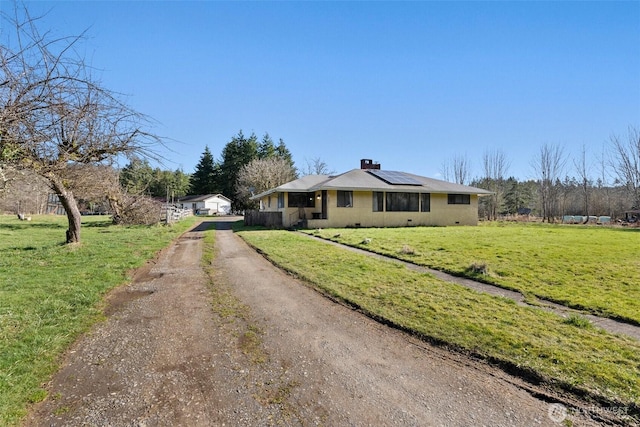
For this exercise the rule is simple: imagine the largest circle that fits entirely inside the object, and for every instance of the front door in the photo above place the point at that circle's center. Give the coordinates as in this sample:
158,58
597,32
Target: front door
324,204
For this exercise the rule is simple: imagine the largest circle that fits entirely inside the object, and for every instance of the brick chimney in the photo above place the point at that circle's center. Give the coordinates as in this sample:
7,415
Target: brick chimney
369,164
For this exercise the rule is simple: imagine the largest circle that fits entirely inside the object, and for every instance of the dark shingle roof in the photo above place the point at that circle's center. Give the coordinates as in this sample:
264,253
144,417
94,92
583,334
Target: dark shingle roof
363,180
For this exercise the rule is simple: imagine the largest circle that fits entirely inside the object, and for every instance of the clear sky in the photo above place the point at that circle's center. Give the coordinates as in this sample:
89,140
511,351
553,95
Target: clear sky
407,84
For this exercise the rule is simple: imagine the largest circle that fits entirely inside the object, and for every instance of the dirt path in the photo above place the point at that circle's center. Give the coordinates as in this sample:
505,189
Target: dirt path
275,353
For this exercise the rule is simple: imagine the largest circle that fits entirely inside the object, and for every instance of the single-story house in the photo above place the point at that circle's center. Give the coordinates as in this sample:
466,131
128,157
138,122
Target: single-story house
208,204
371,197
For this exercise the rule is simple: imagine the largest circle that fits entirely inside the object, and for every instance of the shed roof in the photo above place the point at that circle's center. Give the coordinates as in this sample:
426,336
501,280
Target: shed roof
202,198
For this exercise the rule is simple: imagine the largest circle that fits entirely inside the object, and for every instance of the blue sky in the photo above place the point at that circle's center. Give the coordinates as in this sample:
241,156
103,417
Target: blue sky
407,84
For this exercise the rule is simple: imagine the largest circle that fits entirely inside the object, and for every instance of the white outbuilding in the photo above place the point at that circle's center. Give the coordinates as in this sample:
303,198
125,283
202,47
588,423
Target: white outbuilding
208,204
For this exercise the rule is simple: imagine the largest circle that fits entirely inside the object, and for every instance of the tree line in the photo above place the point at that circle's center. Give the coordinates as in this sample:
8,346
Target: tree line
62,132
564,184
247,166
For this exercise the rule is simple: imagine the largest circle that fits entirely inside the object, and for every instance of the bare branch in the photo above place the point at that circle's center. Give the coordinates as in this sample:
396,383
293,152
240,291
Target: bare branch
625,162
54,115
457,169
549,164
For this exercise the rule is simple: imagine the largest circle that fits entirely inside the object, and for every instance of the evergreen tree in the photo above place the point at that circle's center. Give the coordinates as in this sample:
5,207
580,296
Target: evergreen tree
283,152
518,196
139,178
237,153
181,182
266,148
136,177
204,179
169,184
512,196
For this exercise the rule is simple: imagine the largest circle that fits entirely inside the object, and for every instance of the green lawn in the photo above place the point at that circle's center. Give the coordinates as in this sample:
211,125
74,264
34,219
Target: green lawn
51,292
596,269
566,353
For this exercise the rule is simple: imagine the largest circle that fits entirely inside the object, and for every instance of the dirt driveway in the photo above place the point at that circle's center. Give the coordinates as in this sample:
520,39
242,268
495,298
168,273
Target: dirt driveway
243,344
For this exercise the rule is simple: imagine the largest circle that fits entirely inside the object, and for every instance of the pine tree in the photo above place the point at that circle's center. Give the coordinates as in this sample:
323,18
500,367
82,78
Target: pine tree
169,184
181,182
266,148
237,153
518,196
136,177
283,152
204,179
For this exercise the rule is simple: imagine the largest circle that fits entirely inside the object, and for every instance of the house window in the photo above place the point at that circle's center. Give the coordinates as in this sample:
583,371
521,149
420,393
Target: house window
280,200
345,199
378,201
403,202
459,199
425,202
302,200
269,202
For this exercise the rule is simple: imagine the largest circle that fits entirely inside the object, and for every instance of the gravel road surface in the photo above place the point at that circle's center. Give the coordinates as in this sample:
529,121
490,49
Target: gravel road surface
240,343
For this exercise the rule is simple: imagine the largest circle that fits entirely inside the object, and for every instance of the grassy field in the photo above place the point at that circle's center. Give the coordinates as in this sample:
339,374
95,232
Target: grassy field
566,353
596,269
51,292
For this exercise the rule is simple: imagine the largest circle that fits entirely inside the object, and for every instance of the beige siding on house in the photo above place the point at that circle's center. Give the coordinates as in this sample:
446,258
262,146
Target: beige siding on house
446,214
362,215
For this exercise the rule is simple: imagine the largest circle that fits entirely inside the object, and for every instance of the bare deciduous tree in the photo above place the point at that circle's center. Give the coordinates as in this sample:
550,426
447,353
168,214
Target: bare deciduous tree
26,193
625,162
549,164
582,168
317,166
457,169
604,191
91,182
54,114
263,174
495,168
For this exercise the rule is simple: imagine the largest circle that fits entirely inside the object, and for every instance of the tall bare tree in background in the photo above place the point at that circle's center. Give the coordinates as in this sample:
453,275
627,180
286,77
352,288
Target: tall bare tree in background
549,165
603,191
457,169
582,168
25,193
263,174
317,166
625,163
55,115
495,166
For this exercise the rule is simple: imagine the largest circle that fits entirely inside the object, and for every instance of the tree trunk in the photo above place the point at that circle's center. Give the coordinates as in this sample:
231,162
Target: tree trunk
70,207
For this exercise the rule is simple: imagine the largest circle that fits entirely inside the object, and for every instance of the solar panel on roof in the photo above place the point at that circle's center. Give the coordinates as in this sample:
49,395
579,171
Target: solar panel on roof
394,177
